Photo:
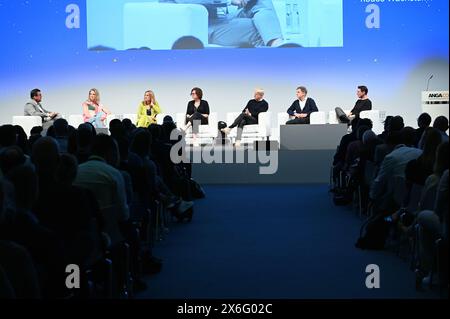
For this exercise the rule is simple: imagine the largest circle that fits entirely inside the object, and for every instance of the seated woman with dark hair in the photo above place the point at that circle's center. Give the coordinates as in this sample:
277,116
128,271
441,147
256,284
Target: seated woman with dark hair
197,113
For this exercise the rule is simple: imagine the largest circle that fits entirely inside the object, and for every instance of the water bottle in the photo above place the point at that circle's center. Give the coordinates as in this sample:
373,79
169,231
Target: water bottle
288,17
296,19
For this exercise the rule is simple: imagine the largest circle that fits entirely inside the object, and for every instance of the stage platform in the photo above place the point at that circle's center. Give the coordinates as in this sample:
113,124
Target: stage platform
304,156
311,137
281,167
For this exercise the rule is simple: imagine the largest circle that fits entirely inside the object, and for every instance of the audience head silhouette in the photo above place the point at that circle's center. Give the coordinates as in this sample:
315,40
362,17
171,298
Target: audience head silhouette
61,128
441,123
424,120
396,124
141,143
105,147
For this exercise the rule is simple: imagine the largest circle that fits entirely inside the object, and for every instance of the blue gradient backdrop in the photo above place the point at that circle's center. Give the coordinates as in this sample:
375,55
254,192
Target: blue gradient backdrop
394,61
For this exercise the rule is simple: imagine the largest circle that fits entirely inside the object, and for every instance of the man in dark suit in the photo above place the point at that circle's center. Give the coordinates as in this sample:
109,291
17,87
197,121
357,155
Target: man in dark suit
34,108
301,109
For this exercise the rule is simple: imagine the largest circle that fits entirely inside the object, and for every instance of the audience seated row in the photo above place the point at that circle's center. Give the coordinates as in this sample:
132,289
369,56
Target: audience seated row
400,179
78,197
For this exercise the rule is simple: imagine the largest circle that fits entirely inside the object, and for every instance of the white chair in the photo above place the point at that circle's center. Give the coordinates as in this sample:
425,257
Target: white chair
332,118
27,122
282,118
206,133
109,118
317,118
160,118
190,20
75,120
255,132
378,117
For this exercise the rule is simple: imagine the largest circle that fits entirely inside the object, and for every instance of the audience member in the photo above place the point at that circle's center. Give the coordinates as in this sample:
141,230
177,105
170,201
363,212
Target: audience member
419,169
441,123
423,122
393,166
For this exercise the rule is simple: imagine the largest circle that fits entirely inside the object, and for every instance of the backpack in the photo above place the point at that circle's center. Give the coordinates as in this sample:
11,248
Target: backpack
376,231
342,197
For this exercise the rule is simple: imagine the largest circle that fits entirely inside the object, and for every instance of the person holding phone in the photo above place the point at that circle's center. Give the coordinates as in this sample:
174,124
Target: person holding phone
148,110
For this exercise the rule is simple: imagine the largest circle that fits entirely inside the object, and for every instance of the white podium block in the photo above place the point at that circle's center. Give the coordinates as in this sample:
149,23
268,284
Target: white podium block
311,137
435,103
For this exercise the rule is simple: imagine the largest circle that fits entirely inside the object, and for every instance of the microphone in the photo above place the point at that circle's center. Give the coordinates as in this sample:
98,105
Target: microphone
429,79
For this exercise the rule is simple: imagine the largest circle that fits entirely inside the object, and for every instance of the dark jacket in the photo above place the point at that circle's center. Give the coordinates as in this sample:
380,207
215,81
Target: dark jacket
309,108
256,107
203,108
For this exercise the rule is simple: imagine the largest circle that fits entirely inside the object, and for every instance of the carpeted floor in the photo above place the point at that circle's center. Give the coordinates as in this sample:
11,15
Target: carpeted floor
273,242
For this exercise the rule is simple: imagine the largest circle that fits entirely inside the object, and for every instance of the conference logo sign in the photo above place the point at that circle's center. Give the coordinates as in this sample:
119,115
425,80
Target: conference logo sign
435,97
438,96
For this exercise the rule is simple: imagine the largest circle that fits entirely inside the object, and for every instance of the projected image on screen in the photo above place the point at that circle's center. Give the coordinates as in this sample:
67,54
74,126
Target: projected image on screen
207,24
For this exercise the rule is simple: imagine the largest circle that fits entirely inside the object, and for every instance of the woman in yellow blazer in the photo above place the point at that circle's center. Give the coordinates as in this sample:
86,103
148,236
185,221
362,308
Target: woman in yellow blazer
148,110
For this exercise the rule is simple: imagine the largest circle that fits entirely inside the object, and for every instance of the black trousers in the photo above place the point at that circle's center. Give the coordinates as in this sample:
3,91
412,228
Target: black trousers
196,120
242,120
343,118
303,120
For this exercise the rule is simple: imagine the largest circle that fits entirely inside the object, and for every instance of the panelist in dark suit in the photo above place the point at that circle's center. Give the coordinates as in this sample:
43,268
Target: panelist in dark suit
301,109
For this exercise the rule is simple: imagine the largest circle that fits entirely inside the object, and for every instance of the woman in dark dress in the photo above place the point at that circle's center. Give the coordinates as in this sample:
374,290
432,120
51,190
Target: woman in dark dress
197,113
